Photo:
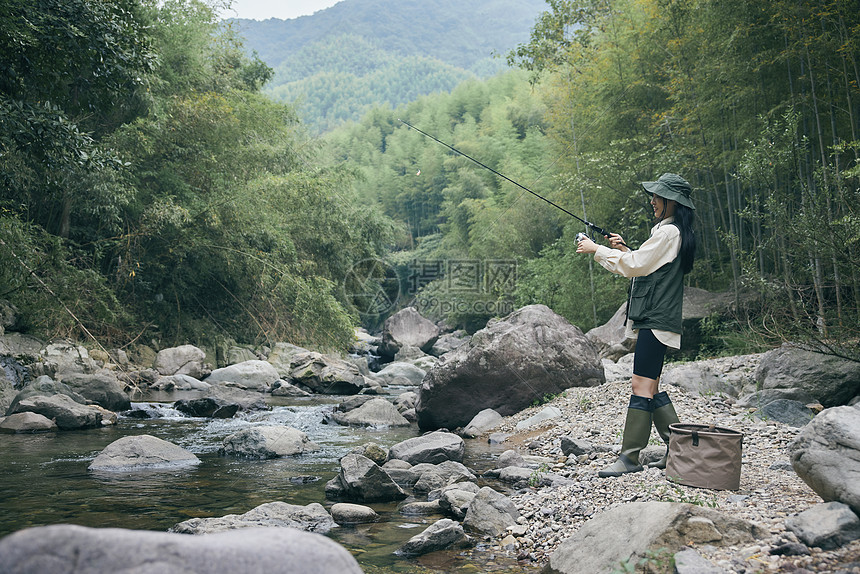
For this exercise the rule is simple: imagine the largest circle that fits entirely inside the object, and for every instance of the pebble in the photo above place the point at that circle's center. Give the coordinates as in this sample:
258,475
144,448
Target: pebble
770,491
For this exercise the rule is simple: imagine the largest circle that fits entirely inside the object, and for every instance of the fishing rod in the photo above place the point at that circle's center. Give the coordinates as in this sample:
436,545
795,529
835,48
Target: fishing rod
596,228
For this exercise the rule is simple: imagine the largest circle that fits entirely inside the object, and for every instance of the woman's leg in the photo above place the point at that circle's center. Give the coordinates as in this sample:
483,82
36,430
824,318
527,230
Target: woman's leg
646,379
648,360
644,387
663,415
637,429
647,364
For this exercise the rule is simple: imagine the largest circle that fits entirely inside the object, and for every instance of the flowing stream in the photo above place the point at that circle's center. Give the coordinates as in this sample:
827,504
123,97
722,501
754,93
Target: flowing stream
44,480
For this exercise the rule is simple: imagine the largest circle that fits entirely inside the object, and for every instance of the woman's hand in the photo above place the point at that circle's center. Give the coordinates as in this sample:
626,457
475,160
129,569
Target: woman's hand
586,246
616,242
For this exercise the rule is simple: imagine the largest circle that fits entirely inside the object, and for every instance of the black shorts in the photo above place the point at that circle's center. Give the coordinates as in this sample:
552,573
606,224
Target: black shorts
648,356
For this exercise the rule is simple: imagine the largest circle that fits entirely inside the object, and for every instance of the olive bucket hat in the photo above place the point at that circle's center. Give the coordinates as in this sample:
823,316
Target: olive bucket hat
671,186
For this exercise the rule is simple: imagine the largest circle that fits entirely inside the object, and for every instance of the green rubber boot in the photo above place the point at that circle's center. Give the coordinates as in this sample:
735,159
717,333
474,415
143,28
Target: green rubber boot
637,429
663,415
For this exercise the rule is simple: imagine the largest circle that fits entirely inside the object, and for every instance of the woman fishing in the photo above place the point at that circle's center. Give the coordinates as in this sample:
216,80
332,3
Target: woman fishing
653,310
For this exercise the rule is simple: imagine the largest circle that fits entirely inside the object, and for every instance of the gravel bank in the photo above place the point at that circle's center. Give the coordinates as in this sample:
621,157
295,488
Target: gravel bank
770,491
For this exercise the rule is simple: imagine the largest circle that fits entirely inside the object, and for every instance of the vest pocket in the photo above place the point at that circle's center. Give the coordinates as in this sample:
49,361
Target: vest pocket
640,298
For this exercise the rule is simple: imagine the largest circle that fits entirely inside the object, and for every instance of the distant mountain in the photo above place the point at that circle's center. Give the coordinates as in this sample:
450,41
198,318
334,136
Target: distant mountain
341,61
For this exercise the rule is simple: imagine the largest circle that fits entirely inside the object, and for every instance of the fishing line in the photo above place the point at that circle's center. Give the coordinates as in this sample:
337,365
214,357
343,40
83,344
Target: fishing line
593,226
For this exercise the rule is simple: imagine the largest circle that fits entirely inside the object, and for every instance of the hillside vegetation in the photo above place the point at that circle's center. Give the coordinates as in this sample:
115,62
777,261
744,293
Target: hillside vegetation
341,61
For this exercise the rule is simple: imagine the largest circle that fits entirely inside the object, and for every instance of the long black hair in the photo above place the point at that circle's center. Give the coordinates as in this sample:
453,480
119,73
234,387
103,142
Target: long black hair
684,217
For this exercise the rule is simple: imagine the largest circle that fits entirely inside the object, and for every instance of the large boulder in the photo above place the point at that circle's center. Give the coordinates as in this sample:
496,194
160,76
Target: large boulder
619,370
364,343
626,533
222,402
407,327
455,499
352,402
68,414
373,413
142,355
8,316
142,452
792,413
491,512
281,357
102,388
512,458
399,373
44,386
830,380
725,375
448,342
485,420
64,357
408,353
401,472
826,526
440,535
759,399
26,423
347,513
325,374
237,354
310,518
437,476
181,360
19,345
700,304
273,550
531,353
269,441
826,455
361,479
610,339
250,375
433,448
207,407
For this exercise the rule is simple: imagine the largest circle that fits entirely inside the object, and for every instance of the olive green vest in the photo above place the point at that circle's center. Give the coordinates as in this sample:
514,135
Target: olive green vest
656,300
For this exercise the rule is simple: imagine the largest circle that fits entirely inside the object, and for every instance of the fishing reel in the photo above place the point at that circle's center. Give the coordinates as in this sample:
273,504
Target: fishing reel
580,236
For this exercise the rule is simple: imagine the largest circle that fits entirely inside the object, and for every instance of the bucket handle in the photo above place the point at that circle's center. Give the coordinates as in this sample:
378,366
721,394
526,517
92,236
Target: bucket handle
711,428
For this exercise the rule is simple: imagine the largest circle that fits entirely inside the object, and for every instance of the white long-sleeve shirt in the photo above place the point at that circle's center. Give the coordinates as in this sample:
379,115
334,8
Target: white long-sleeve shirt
661,248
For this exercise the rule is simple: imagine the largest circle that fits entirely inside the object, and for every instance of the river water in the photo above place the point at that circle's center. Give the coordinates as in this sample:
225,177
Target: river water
44,480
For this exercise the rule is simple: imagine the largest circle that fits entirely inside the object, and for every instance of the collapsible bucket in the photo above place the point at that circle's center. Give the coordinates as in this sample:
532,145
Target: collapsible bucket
704,456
